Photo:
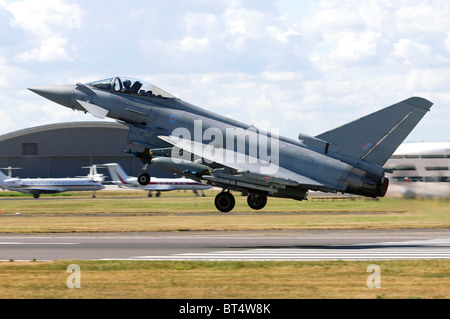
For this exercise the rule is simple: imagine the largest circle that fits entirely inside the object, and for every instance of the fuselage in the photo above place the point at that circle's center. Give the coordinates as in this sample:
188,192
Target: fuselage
150,116
51,185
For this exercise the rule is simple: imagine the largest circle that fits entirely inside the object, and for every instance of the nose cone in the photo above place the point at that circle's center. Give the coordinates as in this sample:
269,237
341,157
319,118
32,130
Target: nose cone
60,94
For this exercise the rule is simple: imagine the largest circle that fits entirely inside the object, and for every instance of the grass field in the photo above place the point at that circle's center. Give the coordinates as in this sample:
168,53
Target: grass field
225,280
177,211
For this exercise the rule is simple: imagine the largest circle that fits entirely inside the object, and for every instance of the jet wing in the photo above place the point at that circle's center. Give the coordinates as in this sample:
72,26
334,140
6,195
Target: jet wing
160,188
41,190
250,170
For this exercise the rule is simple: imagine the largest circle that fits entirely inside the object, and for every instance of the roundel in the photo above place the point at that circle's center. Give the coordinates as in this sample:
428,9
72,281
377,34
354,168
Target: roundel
173,119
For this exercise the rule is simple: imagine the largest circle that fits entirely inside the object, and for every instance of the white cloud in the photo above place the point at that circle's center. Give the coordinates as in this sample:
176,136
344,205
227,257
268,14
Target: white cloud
241,25
44,22
412,53
303,66
280,35
342,48
281,76
447,41
202,24
423,17
50,49
193,44
10,74
427,80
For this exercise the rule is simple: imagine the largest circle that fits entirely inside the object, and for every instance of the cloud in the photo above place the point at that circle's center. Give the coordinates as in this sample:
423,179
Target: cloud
244,25
412,53
50,49
10,75
44,23
303,66
193,44
346,48
428,17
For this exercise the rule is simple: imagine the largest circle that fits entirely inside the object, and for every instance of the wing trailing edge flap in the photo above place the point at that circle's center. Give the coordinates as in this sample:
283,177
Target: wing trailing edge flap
251,170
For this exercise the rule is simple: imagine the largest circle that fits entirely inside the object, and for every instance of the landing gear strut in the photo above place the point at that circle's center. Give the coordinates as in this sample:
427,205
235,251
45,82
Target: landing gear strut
146,158
256,201
225,202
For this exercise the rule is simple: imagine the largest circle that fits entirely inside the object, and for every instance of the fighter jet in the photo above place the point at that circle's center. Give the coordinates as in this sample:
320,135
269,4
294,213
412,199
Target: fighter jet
191,141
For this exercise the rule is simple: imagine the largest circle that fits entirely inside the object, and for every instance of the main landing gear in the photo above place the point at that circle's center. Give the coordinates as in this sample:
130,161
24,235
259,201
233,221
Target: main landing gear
256,201
225,201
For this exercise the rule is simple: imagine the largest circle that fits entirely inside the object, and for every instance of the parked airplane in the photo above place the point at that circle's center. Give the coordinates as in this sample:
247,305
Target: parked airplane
157,185
93,174
38,186
10,169
190,141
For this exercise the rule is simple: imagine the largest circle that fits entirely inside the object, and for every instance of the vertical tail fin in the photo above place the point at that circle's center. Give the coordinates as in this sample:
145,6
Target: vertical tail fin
3,177
117,173
375,137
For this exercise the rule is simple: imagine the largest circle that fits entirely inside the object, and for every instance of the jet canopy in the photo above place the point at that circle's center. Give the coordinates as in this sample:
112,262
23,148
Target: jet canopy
130,86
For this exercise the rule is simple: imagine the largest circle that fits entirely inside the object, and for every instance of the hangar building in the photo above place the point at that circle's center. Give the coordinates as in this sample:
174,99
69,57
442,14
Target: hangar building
61,150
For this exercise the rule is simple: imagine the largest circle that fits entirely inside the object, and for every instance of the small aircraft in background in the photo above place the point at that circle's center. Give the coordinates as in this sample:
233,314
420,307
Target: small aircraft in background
38,186
157,185
93,174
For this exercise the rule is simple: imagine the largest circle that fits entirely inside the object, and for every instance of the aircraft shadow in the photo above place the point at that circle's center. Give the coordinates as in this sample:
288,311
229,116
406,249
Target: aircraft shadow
336,247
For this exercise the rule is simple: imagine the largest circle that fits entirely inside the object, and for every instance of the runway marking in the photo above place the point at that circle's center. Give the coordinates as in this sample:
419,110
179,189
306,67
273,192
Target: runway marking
22,243
370,251
299,254
424,242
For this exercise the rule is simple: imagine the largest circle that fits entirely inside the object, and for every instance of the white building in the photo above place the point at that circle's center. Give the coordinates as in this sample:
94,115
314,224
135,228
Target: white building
420,170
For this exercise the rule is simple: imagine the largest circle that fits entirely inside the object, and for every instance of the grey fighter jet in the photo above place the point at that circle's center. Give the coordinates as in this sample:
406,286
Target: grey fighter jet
213,149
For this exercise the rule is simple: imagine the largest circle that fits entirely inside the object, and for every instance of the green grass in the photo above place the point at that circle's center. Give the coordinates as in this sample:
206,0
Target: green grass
175,211
225,280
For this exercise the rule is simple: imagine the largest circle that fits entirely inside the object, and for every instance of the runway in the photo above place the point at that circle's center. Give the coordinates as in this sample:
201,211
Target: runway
299,245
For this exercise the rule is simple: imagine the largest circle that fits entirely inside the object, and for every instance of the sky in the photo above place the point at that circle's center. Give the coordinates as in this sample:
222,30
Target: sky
295,66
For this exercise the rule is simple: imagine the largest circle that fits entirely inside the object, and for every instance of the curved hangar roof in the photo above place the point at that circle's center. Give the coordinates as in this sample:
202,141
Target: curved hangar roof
74,138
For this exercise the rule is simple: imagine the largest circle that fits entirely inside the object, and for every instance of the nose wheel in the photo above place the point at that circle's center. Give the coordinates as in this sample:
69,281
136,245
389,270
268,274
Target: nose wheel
144,179
225,202
146,158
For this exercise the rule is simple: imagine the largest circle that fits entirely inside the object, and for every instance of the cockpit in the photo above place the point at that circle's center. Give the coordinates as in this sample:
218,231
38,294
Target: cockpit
128,85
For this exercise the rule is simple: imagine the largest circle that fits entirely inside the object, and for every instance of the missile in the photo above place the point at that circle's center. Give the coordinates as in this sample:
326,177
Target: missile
181,167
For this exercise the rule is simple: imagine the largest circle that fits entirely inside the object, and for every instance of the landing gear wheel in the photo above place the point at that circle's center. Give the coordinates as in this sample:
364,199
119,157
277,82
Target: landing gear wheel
36,196
225,202
256,202
144,179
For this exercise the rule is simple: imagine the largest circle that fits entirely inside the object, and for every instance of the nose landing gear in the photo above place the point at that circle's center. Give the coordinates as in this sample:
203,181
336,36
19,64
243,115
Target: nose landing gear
144,179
